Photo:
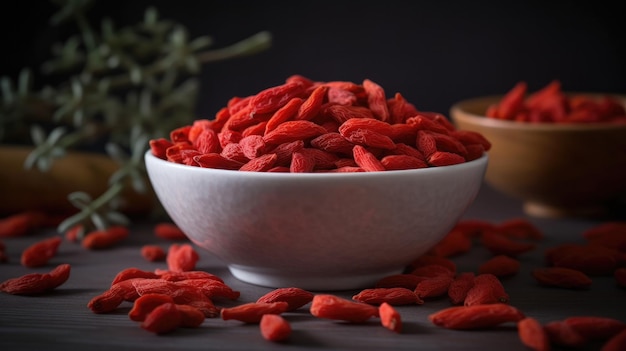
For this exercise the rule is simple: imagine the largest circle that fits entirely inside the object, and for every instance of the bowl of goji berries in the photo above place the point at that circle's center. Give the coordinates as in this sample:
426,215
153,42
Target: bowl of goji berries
562,153
320,185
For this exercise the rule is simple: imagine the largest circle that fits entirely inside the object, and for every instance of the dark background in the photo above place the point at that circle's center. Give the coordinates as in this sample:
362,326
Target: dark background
433,52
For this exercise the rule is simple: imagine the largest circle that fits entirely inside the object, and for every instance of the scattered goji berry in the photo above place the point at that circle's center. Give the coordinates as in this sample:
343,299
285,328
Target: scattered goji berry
562,277
476,316
146,304
252,312
462,283
133,272
533,335
39,253
500,244
562,334
153,253
589,259
104,239
36,283
334,307
454,243
487,289
433,286
391,296
165,318
501,266
595,327
294,297
274,327
390,318
169,231
182,257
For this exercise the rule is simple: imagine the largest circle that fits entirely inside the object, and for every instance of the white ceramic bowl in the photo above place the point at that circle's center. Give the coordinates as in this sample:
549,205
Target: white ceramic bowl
317,231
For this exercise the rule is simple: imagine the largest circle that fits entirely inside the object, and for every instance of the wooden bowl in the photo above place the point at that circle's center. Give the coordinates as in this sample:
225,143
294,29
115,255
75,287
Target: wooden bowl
557,170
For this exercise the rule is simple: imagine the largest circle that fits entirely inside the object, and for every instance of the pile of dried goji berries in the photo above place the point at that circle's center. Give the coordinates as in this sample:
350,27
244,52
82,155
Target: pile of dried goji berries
308,126
551,105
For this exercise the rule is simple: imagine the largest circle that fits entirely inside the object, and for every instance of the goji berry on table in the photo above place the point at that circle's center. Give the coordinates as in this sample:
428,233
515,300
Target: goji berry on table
274,327
252,312
561,277
36,283
595,327
165,318
169,231
182,257
476,316
392,296
106,238
500,265
532,334
337,308
390,318
153,253
562,334
294,297
39,253
458,288
487,289
146,304
133,272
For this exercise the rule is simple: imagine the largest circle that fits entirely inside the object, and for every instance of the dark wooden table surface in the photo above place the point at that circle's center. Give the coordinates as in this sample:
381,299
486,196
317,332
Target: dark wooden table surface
61,320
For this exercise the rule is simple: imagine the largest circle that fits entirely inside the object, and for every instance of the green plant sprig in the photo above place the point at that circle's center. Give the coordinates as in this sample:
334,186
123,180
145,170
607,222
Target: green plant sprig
121,87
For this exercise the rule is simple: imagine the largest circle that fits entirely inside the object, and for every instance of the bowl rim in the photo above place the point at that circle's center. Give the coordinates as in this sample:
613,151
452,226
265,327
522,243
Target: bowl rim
460,167
458,111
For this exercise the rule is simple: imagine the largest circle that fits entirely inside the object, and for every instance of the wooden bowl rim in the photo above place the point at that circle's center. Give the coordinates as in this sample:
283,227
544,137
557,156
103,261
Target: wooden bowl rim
459,111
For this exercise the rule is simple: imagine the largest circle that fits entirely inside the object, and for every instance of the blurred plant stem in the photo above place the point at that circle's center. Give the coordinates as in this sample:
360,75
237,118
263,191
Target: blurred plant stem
119,88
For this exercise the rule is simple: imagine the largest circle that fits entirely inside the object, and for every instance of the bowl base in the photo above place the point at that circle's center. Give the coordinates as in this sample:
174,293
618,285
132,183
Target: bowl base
537,209
317,282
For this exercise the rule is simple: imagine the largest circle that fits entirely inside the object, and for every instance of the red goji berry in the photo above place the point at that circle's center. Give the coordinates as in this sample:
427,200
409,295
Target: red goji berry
153,253
333,307
476,316
131,273
146,304
274,327
393,296
104,239
487,289
252,312
462,283
433,286
182,257
168,231
39,253
165,318
561,277
500,265
532,334
595,327
562,334
294,297
390,318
